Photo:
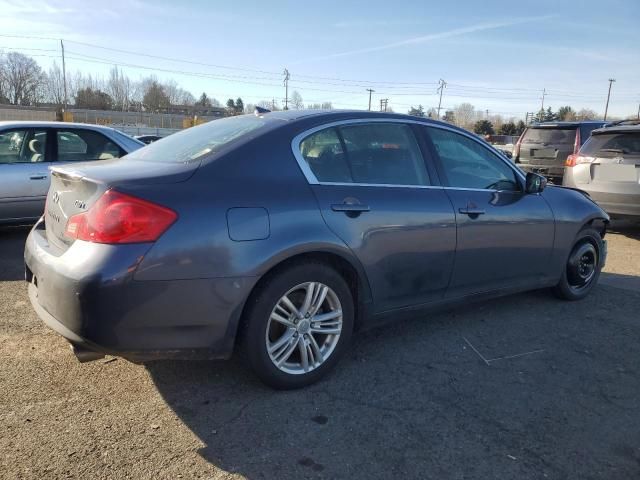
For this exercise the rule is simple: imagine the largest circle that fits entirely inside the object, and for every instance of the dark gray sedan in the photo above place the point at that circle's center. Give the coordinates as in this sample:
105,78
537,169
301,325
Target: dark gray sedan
280,234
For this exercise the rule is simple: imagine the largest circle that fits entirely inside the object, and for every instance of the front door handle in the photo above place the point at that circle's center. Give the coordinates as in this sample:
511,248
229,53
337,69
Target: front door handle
350,207
471,211
38,176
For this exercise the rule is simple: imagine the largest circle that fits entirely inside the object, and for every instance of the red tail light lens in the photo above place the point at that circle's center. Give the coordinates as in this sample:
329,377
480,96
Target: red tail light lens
516,148
576,144
120,218
571,160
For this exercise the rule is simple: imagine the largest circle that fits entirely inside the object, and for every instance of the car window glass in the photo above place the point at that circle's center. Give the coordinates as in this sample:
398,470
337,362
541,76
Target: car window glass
467,164
324,154
83,145
384,154
613,145
548,136
23,146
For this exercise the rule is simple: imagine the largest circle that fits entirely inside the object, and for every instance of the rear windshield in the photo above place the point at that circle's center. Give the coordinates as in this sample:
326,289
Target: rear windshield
612,145
555,136
194,143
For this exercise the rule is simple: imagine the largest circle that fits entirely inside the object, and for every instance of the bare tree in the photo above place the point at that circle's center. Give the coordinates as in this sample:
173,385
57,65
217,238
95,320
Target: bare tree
465,115
586,114
55,85
119,89
23,79
296,100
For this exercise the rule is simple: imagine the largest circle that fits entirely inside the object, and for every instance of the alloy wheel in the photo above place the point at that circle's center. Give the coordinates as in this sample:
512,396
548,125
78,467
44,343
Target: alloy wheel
304,328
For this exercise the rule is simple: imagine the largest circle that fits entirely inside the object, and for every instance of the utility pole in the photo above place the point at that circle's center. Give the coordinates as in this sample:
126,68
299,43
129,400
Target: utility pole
441,86
383,104
606,108
370,92
64,80
544,93
487,111
286,88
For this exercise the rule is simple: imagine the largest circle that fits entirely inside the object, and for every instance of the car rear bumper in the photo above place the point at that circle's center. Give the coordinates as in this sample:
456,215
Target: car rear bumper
552,172
88,295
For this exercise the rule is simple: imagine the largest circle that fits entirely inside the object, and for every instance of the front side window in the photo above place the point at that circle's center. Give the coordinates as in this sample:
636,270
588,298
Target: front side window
467,164
23,146
375,154
85,145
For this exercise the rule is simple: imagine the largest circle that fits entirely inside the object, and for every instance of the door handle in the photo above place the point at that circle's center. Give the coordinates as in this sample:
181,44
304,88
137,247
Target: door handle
38,176
350,207
471,211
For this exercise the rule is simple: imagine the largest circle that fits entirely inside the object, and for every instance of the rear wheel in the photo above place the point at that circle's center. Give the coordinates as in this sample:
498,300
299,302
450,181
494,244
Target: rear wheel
582,269
298,325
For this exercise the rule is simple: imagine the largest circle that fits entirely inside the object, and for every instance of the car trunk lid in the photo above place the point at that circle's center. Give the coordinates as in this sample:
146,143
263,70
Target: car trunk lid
75,188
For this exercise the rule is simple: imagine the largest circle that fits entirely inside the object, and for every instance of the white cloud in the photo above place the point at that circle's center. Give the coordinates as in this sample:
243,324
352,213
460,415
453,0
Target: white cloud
437,36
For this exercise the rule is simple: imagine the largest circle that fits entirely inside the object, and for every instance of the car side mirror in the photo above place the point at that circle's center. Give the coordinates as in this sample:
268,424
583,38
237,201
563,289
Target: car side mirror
535,183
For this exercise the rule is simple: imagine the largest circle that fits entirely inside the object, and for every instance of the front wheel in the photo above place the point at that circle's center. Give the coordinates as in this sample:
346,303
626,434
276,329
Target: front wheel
298,325
583,266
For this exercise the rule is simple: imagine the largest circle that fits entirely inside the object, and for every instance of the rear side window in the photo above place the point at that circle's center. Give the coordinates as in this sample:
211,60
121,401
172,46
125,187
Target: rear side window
84,145
374,154
550,136
195,143
612,145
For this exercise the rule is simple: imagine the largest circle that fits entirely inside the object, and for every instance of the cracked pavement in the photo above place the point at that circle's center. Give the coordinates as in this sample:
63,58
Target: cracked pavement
410,399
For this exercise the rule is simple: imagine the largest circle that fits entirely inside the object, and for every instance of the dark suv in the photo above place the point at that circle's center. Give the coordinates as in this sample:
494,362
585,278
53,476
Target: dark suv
544,147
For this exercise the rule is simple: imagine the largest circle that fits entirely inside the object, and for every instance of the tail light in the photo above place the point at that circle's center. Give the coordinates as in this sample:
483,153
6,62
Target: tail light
120,218
571,160
576,144
516,148
576,159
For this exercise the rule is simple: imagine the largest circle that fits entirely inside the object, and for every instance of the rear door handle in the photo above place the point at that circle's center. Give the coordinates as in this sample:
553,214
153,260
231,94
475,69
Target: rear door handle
471,211
38,176
350,207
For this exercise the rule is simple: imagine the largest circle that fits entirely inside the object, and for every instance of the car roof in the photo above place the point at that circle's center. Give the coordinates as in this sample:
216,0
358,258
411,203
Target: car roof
337,115
566,124
44,124
617,129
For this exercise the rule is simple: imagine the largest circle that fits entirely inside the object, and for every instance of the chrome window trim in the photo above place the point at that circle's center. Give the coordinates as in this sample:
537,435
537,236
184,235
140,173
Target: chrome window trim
312,180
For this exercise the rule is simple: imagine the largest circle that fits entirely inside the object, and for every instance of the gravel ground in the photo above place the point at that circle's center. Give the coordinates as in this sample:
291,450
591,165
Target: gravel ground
556,398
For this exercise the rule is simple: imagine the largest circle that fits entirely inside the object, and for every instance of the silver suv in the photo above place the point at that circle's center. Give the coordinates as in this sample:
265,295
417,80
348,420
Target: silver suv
608,168
544,147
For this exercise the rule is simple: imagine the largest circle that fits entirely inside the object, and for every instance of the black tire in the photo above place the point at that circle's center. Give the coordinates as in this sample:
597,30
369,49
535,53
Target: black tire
577,281
262,303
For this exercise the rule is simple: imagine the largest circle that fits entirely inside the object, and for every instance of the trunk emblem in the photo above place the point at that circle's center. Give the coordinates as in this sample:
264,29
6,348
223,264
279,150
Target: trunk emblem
80,204
55,197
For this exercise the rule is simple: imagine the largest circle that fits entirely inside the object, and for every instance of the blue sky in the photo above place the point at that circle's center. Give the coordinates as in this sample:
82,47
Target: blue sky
496,55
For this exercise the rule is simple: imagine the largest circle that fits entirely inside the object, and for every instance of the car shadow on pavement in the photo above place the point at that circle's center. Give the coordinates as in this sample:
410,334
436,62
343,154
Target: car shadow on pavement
11,264
627,228
417,398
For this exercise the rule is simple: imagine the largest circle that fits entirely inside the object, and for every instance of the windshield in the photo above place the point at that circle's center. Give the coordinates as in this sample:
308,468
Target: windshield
550,135
194,143
612,145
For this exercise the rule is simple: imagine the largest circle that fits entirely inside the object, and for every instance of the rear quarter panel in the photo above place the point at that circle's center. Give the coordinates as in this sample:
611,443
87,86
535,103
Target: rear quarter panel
261,174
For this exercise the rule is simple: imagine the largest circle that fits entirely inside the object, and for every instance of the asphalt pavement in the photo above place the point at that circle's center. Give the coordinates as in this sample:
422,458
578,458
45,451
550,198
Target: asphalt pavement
522,387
